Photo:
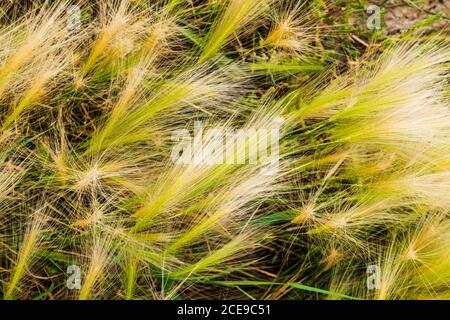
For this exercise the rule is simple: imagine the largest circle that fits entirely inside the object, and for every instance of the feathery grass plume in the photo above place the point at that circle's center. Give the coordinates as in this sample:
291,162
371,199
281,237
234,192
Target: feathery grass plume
379,116
131,277
10,175
310,202
197,88
232,206
29,40
159,38
145,69
101,174
350,224
26,254
40,86
183,182
391,110
291,30
346,280
221,207
342,219
230,199
108,174
13,168
420,184
114,18
234,249
407,75
99,254
333,256
414,266
234,17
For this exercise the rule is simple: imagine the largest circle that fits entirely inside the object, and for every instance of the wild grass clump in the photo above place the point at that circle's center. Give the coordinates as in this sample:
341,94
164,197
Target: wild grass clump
89,122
